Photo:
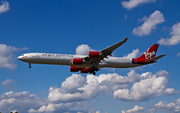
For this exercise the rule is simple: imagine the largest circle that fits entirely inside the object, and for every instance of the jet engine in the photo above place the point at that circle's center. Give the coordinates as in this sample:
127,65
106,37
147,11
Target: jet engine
74,69
77,61
85,70
94,54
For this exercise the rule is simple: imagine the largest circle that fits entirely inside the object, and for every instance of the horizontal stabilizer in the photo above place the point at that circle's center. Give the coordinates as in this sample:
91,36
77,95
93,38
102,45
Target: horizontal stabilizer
155,58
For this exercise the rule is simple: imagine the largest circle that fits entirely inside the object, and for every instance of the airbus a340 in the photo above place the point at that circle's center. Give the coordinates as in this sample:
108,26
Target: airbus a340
94,60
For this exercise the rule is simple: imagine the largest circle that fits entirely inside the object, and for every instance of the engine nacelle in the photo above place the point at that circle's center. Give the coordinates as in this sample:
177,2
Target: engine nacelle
85,70
74,69
94,54
77,61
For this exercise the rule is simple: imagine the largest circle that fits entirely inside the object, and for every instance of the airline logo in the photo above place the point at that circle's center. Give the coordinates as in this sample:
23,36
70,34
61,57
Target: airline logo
149,55
24,56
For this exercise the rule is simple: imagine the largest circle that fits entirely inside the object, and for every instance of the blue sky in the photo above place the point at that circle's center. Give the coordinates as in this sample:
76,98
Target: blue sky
61,26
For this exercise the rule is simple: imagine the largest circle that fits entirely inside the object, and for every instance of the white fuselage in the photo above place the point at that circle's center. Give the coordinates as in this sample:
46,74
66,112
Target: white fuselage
66,59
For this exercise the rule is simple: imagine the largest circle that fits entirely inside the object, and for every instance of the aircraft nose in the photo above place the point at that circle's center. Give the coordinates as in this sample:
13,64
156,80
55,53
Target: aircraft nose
19,57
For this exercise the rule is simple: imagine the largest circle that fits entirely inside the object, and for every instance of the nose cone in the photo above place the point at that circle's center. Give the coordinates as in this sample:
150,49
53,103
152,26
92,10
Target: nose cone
19,57
22,58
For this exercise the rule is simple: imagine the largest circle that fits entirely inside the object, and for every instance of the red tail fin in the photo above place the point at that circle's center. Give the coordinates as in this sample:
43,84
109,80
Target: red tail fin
150,53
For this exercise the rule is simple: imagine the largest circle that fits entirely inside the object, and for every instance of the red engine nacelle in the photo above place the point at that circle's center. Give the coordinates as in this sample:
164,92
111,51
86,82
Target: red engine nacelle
94,54
74,69
85,70
77,61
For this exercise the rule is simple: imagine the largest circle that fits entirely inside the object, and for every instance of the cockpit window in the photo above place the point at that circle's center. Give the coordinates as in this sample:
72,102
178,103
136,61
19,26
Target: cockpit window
22,55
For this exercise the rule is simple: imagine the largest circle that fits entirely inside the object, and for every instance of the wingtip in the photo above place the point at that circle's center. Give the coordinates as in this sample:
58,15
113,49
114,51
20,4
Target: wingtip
164,54
125,39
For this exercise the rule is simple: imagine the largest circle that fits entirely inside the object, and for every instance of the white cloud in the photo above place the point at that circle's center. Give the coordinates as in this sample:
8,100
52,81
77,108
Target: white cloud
146,75
178,101
145,86
136,109
76,90
150,23
178,54
6,56
72,83
93,111
4,7
166,107
162,73
91,88
175,38
21,101
170,91
83,49
132,55
54,108
24,102
134,3
68,107
151,87
8,83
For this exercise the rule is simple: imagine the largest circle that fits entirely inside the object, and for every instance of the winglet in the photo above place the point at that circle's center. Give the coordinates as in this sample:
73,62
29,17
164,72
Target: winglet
125,40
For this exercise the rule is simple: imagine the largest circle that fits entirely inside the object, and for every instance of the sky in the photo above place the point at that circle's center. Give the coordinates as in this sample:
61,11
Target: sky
75,27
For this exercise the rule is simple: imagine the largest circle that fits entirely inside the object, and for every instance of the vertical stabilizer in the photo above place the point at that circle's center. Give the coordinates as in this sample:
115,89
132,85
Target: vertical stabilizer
149,54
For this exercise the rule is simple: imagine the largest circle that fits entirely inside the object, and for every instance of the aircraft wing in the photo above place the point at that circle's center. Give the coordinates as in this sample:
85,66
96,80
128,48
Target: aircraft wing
104,53
110,49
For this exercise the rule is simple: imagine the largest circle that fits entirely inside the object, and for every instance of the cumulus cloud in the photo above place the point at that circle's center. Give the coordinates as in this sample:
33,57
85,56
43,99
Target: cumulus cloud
136,109
132,55
92,87
170,91
150,87
175,36
8,83
71,84
68,107
166,107
24,102
21,101
94,111
134,3
4,7
178,101
162,73
6,56
145,86
55,108
76,90
83,49
149,24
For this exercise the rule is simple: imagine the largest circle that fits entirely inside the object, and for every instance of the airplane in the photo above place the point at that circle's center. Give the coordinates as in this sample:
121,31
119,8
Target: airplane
95,60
